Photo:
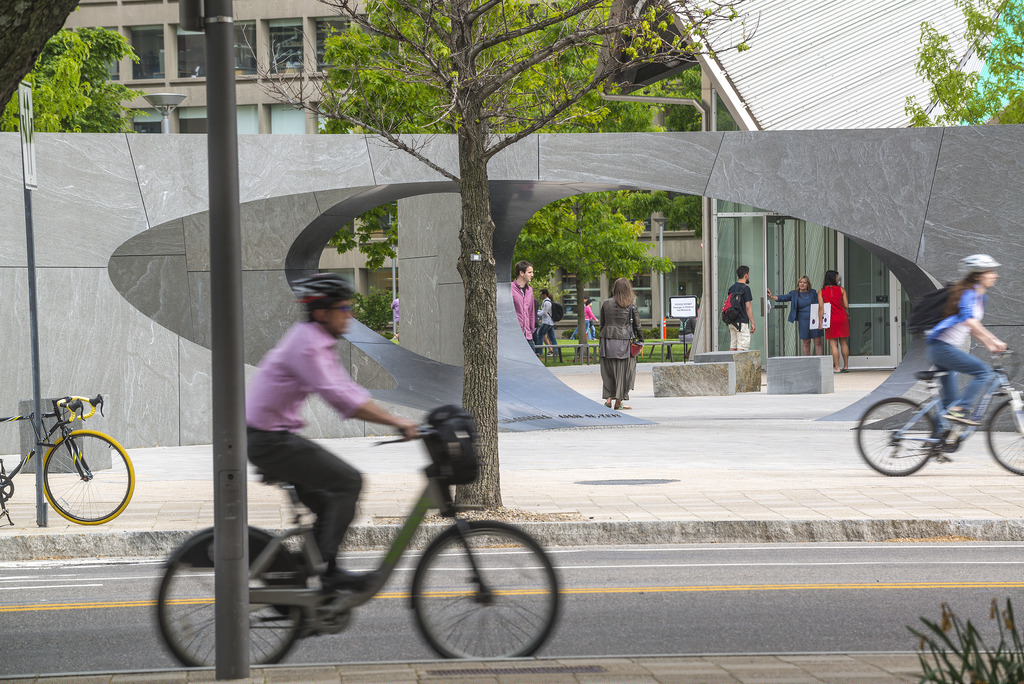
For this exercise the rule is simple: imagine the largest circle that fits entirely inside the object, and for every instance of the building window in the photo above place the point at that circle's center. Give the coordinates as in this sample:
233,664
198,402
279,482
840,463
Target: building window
381,279
192,119
285,46
191,53
248,119
591,289
686,279
114,68
287,119
148,42
324,28
147,121
245,48
642,290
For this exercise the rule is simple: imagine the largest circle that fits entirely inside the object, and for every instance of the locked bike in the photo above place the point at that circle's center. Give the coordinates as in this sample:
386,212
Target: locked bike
481,589
898,436
87,476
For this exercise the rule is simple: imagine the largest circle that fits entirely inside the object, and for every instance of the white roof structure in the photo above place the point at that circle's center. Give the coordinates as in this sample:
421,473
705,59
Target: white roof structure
827,64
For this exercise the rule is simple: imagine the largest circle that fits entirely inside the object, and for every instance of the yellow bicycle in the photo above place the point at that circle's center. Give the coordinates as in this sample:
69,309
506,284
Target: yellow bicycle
87,476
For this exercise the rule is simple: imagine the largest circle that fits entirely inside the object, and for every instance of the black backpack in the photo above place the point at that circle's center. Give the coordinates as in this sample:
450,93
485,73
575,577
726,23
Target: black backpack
452,445
732,308
927,311
557,311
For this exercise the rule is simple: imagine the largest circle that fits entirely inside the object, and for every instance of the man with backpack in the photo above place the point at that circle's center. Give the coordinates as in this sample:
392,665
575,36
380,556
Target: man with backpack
739,301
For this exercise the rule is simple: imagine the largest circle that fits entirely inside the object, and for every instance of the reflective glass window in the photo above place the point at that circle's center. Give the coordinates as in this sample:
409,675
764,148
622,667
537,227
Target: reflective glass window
191,53
324,28
148,42
245,48
286,46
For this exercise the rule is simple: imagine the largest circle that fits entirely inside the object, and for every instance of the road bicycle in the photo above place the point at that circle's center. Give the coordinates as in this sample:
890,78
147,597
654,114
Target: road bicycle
481,589
897,436
87,476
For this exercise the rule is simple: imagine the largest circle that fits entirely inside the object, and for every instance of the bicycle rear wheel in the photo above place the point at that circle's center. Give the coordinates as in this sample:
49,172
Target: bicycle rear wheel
87,477
891,441
1005,440
509,612
185,603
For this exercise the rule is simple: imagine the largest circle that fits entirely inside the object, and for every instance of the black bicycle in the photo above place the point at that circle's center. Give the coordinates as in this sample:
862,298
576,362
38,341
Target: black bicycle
481,589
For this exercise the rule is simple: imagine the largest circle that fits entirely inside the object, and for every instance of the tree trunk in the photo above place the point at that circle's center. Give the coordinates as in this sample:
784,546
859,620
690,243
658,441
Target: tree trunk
480,329
23,33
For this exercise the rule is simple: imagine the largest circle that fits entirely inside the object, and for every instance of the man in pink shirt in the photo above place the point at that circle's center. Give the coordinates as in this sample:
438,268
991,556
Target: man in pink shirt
523,301
304,362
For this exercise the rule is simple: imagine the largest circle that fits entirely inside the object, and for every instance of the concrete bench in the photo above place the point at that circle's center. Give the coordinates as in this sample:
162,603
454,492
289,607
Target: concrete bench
748,366
694,379
800,375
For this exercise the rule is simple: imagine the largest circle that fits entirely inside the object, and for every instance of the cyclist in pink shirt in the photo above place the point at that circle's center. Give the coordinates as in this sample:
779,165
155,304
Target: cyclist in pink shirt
304,362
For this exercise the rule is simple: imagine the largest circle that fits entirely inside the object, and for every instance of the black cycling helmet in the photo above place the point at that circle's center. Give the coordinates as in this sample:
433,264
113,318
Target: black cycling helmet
321,290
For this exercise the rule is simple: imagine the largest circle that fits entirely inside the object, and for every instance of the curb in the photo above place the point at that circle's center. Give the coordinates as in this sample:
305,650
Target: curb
152,544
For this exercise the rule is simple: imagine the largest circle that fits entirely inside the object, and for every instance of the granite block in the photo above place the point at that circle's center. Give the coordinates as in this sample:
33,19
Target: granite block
800,375
748,366
694,379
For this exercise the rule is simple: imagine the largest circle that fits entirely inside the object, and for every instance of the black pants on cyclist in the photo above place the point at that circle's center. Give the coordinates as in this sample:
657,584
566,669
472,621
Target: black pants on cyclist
325,484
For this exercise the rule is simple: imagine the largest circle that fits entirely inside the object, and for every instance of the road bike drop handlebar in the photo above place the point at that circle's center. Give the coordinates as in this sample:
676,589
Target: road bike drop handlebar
78,407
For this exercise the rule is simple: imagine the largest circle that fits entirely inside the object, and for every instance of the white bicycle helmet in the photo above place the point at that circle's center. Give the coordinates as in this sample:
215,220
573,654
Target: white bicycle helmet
321,290
977,263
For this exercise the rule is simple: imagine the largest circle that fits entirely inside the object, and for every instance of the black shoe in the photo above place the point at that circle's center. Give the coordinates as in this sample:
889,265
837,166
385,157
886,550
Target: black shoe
340,579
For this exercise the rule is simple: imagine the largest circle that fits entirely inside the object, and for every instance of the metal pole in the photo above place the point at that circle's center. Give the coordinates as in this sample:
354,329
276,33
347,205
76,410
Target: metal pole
231,554
165,123
33,327
661,278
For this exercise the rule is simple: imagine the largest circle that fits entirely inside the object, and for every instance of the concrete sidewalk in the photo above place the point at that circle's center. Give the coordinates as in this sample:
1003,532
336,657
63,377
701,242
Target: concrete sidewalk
864,668
750,468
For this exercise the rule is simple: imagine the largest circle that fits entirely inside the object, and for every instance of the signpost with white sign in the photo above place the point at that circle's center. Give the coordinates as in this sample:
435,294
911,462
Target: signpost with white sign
682,307
28,166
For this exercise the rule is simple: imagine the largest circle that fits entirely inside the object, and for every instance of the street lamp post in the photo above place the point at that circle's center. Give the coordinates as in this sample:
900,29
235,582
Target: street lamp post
165,104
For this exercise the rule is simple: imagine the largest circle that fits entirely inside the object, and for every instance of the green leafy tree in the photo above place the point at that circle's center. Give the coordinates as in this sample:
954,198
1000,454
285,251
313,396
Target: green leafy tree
994,30
70,87
373,310
494,72
374,234
594,234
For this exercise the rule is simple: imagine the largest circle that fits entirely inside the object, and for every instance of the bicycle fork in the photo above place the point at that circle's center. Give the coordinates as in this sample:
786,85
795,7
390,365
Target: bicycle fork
484,594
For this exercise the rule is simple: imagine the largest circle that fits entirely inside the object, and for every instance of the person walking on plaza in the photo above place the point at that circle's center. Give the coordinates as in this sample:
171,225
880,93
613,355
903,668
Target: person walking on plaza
838,331
964,310
588,318
620,324
545,334
304,362
739,337
522,299
800,301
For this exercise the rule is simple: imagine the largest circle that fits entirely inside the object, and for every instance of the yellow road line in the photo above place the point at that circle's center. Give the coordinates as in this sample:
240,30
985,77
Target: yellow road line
582,590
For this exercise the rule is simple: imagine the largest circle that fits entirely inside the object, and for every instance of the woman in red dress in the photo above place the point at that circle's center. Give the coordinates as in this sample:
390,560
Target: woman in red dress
838,331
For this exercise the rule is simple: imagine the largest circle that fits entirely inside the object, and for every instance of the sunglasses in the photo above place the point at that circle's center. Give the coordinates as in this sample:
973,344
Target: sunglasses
347,308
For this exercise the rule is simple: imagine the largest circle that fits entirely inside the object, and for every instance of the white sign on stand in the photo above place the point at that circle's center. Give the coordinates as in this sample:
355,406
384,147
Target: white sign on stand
27,127
682,307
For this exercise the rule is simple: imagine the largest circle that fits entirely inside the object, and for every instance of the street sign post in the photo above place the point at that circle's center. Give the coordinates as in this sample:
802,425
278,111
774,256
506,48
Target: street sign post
28,167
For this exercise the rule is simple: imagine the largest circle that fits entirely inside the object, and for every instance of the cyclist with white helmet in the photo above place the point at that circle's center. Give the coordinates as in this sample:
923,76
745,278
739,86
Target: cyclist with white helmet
305,361
964,310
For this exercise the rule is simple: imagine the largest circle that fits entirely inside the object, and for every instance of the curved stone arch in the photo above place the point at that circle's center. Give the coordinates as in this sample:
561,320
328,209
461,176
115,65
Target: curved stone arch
910,196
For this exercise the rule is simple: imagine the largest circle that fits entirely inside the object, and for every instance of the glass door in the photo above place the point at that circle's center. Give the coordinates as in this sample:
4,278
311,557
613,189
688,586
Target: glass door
875,309
741,242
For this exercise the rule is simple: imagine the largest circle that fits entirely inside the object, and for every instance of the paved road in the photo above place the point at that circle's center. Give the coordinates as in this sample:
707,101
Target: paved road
693,599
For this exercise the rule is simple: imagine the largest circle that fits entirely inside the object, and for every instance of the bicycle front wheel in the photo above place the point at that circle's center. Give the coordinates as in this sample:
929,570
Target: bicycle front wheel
892,441
504,608
1005,440
185,603
87,477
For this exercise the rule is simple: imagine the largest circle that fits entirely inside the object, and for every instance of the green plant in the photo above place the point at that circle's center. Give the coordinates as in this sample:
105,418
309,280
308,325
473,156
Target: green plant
373,310
957,653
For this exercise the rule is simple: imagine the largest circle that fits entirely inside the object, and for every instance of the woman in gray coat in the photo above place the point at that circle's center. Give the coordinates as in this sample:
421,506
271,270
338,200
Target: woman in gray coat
620,324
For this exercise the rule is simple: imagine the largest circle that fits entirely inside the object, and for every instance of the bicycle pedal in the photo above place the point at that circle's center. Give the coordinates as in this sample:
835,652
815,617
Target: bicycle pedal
942,458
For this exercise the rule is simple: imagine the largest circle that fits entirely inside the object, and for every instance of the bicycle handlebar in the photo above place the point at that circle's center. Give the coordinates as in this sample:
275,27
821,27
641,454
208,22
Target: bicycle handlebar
76,406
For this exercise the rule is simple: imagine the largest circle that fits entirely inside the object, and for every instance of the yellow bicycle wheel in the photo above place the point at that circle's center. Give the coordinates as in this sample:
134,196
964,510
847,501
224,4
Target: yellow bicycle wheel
88,478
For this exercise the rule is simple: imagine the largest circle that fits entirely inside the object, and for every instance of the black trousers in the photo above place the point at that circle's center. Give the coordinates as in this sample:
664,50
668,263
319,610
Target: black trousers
325,484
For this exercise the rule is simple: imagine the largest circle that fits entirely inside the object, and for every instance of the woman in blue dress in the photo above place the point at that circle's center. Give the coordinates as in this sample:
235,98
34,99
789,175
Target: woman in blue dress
800,301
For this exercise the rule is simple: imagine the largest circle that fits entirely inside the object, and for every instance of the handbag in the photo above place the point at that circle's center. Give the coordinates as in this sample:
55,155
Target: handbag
634,347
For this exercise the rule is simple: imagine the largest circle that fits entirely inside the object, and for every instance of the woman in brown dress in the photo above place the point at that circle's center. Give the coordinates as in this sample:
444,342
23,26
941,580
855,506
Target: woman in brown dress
620,323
